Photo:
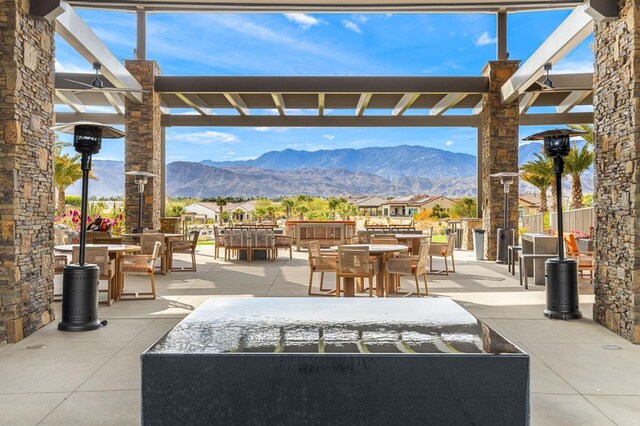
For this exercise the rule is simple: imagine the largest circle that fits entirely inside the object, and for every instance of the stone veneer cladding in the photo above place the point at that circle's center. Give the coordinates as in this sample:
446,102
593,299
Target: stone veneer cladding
617,156
26,171
499,137
143,146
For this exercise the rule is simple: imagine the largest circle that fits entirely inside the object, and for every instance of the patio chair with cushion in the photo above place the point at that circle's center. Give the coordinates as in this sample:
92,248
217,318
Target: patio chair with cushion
444,250
185,246
583,258
262,239
412,265
356,262
320,262
140,264
91,235
237,240
99,256
147,244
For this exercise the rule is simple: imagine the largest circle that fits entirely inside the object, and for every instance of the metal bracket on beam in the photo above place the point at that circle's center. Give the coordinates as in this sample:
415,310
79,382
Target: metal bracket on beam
602,10
48,10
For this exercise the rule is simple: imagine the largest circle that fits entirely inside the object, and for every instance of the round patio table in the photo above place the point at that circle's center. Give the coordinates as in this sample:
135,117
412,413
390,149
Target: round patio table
383,252
115,250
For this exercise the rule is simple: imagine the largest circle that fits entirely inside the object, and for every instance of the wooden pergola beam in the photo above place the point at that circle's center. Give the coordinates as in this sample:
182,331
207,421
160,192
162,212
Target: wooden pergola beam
572,100
71,100
115,101
447,102
278,100
527,100
320,104
363,103
237,102
405,103
195,102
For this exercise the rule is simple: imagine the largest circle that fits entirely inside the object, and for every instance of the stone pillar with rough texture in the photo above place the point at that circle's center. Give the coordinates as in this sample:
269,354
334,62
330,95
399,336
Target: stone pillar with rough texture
143,147
499,138
468,225
617,159
26,171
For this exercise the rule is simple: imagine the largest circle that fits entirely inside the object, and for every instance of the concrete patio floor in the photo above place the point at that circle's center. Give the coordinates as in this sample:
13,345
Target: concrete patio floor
581,374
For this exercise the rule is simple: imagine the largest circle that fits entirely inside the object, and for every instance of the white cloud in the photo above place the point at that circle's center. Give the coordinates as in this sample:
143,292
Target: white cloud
303,20
262,129
329,137
484,39
351,26
361,18
60,67
449,143
572,67
208,137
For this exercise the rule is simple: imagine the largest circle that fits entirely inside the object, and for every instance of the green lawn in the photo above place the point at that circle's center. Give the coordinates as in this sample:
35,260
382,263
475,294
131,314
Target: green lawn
439,239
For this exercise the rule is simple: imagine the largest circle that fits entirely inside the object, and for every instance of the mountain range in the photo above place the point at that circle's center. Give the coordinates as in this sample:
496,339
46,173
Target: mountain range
390,171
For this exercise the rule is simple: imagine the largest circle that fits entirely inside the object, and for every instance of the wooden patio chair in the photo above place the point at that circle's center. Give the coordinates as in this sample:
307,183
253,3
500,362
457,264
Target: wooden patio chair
384,240
262,239
444,250
184,246
412,265
90,236
237,240
320,262
108,240
140,264
99,256
147,244
285,242
355,262
584,259
218,241
60,261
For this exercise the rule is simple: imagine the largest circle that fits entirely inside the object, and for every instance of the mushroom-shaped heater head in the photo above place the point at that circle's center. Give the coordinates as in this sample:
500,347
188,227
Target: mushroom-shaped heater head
556,142
87,135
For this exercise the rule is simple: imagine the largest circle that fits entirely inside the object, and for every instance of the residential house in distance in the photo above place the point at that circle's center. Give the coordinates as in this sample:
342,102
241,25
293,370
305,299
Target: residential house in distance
369,206
528,204
239,211
409,205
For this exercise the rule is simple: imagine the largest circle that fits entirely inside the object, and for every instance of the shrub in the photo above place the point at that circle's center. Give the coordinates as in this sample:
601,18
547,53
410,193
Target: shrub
73,200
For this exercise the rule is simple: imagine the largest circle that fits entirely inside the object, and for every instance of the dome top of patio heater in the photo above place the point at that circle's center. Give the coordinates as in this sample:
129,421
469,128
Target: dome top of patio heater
108,132
555,133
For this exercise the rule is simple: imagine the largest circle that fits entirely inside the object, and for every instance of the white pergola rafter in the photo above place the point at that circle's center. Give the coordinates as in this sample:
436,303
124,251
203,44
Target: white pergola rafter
71,100
447,102
278,100
115,101
363,103
569,34
405,103
572,100
527,100
237,102
321,104
195,102
72,28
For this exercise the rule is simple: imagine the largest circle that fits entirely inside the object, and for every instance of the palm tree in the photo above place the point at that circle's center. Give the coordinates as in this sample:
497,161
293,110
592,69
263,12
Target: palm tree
301,209
576,163
588,128
543,166
542,183
221,202
464,207
66,171
287,204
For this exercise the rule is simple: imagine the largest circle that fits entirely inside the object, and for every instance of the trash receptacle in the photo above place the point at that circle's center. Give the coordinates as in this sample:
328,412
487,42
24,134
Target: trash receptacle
478,243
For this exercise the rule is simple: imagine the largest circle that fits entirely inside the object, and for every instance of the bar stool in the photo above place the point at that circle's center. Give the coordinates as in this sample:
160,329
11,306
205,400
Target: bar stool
511,257
523,265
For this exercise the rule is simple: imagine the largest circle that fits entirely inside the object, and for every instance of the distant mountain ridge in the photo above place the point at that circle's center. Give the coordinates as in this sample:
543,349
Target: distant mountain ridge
389,171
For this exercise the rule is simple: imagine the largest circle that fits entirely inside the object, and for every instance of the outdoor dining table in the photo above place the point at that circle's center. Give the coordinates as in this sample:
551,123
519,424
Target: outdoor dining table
382,252
116,251
411,240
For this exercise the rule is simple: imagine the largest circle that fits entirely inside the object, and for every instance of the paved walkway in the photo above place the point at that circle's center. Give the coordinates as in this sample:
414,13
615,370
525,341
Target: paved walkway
581,374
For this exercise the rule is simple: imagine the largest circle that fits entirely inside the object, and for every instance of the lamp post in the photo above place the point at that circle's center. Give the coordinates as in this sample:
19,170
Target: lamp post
80,281
140,179
504,234
561,274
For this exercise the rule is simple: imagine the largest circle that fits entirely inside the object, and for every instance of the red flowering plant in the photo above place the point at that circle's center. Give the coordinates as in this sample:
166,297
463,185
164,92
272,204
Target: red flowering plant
580,234
68,220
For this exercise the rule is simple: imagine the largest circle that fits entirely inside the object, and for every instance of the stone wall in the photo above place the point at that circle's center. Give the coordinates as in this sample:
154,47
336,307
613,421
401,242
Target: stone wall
26,171
617,156
143,147
499,138
468,225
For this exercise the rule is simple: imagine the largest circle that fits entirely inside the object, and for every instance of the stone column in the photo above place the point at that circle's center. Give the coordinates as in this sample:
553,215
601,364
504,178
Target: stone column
499,138
617,157
143,146
26,171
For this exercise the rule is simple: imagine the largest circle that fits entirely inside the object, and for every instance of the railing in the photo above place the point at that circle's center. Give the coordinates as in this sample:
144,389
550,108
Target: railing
533,222
574,220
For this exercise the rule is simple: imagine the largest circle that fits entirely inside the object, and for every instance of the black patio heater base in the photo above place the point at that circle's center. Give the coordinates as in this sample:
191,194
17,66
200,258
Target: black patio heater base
562,289
80,301
504,238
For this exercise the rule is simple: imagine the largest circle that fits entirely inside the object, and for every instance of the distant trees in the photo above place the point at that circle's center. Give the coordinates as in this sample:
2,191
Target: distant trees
464,207
576,163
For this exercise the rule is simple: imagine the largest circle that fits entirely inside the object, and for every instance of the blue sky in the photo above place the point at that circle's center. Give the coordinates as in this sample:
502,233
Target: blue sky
317,44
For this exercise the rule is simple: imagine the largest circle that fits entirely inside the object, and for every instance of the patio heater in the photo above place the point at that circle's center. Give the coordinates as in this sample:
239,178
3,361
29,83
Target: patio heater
140,179
80,281
505,234
561,274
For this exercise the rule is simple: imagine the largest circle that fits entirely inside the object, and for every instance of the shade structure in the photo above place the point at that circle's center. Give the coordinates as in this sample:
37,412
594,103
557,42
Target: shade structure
108,132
